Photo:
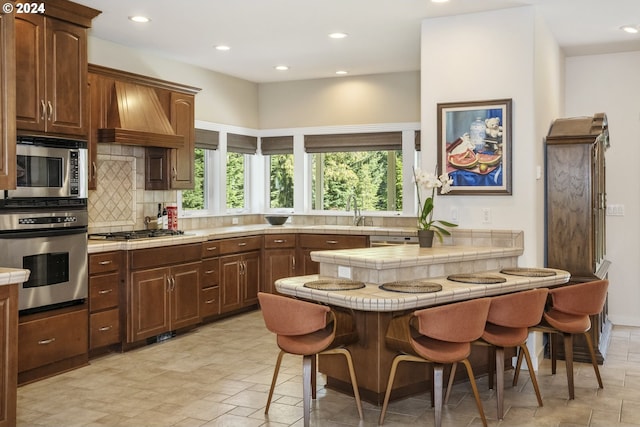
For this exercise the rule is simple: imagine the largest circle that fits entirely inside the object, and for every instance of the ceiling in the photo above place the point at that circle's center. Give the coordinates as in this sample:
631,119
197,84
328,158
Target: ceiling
383,35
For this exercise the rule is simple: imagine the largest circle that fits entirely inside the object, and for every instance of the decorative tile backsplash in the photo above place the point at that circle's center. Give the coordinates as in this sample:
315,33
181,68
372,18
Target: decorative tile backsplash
113,203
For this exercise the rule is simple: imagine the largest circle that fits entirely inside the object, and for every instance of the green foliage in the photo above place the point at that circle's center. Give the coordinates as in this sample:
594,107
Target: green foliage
281,182
235,180
194,199
363,173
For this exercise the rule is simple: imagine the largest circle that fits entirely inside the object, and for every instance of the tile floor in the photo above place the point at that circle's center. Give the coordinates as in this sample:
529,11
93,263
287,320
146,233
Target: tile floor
219,375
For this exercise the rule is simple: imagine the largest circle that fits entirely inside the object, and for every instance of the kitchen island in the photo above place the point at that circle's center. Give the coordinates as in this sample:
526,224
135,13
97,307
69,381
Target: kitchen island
374,307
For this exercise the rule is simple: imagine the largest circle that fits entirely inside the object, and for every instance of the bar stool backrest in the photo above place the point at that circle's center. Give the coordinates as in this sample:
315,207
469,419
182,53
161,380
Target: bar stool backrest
459,322
581,299
518,310
292,317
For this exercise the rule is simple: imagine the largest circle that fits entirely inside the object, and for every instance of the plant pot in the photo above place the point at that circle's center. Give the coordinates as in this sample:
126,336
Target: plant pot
425,238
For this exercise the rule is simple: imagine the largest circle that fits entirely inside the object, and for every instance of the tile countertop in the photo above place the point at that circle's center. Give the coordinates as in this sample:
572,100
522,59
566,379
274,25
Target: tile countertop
195,236
372,298
9,276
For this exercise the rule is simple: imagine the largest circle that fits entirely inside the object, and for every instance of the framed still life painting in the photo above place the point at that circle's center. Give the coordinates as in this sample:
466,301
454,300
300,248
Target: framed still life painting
474,146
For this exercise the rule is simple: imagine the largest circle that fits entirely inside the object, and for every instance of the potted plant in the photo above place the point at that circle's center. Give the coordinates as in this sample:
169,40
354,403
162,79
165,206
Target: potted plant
427,226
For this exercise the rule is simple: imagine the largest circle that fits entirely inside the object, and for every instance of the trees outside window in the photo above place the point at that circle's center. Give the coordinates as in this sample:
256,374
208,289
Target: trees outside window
236,180
281,181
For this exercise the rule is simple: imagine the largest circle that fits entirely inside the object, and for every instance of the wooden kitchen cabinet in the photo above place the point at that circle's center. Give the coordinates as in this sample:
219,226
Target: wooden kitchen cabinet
182,160
105,281
51,70
279,259
100,94
52,342
163,290
8,106
210,284
240,272
8,354
308,243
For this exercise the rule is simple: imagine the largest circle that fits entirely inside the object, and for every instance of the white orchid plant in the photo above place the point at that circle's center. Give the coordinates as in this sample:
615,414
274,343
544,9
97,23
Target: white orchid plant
426,181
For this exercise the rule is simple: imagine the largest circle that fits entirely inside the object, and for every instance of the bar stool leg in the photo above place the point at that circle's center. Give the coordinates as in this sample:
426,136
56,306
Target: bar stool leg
594,361
437,392
516,374
352,376
474,387
307,362
452,375
499,353
273,381
568,357
532,373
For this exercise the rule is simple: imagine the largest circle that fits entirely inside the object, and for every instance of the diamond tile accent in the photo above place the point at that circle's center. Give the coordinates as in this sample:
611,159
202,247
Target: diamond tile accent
113,203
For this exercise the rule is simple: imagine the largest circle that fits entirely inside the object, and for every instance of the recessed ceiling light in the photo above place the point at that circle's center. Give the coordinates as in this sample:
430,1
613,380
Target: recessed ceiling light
281,67
631,29
139,18
342,72
223,47
338,35
439,1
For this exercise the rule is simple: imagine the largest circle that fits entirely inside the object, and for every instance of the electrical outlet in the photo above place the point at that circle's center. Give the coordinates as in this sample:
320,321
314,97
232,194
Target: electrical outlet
234,220
344,272
454,215
615,210
486,215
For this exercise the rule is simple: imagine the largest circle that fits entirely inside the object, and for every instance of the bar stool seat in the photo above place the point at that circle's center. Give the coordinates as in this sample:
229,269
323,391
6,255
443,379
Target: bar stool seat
308,329
438,335
569,315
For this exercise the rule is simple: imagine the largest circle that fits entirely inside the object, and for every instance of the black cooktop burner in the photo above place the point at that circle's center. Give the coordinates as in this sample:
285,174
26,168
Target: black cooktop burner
136,234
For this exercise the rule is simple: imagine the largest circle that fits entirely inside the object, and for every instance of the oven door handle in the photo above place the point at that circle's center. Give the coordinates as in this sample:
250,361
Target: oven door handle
29,234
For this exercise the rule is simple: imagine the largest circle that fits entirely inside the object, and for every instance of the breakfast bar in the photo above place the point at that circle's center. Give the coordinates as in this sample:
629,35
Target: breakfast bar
448,273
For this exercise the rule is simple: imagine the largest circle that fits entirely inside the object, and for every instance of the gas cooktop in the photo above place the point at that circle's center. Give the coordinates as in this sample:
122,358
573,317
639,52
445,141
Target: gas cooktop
135,234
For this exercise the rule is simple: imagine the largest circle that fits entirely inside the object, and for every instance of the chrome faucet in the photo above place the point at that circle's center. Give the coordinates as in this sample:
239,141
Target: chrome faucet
357,218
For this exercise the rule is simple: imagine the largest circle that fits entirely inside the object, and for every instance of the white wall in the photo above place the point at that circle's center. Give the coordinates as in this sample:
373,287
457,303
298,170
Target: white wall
611,84
223,99
486,56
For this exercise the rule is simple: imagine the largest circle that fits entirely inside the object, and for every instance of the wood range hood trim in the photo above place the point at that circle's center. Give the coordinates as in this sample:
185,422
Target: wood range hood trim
136,117
134,113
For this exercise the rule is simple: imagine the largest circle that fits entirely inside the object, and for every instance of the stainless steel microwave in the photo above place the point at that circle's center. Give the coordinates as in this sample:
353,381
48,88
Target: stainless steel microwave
51,168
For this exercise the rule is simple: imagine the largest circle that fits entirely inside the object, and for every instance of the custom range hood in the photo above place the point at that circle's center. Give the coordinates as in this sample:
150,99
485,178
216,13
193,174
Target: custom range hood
135,117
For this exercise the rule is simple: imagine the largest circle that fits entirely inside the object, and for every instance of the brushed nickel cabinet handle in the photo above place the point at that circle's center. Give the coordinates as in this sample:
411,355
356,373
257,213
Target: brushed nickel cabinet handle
210,301
105,291
105,328
105,262
212,248
293,263
45,342
332,242
209,272
174,173
43,109
279,241
94,168
49,110
242,244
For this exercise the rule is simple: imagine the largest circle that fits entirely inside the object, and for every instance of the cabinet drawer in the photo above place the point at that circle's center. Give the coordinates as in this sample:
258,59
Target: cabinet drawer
240,244
51,339
280,241
103,291
104,262
163,256
104,328
210,302
210,248
331,241
210,272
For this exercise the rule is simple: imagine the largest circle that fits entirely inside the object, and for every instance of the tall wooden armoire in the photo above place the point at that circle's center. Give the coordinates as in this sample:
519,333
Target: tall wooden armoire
575,211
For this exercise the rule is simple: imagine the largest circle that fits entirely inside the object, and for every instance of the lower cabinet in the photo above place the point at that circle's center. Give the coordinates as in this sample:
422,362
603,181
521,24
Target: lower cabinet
8,354
52,342
163,299
105,278
210,280
240,272
308,243
279,259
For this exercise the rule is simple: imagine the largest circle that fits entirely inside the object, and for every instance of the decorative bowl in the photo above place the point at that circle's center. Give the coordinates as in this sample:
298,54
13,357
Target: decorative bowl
276,219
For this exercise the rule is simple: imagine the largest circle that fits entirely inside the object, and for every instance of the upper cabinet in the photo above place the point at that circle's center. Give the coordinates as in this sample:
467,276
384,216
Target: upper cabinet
51,70
8,104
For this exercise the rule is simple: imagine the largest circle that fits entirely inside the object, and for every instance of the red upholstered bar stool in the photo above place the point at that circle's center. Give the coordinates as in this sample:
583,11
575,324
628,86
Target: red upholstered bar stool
569,314
307,329
438,335
508,322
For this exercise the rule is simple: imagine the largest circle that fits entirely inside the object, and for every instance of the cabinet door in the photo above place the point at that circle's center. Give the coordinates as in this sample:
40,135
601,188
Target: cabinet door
278,263
8,106
66,78
182,159
251,272
100,92
306,264
149,303
8,354
230,290
185,295
30,74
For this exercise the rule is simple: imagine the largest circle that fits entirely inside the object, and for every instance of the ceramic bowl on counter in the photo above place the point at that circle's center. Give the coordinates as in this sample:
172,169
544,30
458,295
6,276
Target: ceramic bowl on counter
276,219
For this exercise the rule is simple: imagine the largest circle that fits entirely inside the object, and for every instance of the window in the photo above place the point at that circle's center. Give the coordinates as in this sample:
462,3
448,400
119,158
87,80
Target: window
368,166
238,148
206,141
279,152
